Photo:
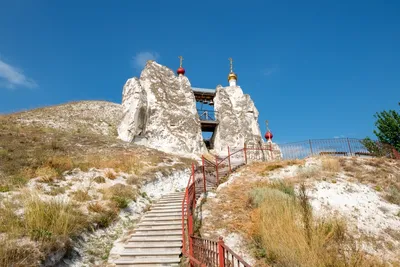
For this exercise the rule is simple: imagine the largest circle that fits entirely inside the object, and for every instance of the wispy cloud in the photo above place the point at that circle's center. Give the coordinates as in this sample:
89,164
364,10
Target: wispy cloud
139,61
339,136
269,71
12,77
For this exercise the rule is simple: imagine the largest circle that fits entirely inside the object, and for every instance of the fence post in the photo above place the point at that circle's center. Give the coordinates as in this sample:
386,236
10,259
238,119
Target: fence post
221,252
348,143
229,159
194,188
190,234
216,169
204,175
245,153
309,140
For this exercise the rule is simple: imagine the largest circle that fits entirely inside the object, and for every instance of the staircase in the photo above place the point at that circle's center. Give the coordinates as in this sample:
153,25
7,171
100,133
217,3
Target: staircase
157,240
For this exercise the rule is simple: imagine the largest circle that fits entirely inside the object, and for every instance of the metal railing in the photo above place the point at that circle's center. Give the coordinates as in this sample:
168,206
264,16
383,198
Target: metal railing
203,252
335,147
206,115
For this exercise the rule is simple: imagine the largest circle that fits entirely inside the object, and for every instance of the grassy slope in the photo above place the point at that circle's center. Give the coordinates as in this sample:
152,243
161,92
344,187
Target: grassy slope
277,223
29,150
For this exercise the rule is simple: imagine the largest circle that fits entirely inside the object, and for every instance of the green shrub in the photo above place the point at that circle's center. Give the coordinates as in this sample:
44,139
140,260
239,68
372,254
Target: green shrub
121,202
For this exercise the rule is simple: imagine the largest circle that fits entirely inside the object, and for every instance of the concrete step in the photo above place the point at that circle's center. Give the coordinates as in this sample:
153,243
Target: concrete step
152,261
158,223
167,207
171,219
152,244
165,211
174,202
168,204
153,227
149,265
163,214
148,218
172,238
150,252
160,233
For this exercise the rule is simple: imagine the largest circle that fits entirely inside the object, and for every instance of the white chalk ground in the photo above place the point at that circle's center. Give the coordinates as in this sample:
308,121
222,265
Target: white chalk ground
370,218
365,211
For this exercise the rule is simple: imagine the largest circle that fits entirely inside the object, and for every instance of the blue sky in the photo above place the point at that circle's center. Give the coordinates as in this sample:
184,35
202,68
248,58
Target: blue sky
315,69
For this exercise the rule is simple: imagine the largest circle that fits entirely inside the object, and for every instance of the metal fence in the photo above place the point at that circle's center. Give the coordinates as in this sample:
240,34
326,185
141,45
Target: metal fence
335,147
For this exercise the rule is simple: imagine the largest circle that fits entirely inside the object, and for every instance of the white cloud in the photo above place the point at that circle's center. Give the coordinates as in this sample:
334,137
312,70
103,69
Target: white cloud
12,77
269,71
139,61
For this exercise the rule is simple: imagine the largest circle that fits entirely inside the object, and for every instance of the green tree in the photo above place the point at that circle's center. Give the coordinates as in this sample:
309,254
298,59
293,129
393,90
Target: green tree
388,127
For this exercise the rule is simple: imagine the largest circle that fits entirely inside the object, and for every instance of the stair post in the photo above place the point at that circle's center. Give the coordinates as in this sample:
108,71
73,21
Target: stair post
216,169
204,176
194,187
229,159
245,153
190,233
221,252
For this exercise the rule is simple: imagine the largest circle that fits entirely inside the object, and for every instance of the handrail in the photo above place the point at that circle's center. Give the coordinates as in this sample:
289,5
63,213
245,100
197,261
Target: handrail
195,253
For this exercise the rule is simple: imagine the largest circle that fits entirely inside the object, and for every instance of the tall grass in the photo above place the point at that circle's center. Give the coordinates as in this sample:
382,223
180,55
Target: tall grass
287,234
44,226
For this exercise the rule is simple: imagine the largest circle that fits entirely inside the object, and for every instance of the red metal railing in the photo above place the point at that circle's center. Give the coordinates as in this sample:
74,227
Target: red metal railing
198,251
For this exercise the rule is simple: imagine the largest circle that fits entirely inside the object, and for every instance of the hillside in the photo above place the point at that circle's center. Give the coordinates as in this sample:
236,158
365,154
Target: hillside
98,117
315,212
64,175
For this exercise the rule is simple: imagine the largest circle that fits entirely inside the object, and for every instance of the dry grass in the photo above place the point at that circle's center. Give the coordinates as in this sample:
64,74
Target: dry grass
381,173
30,151
279,223
19,253
49,223
81,195
47,174
286,233
110,175
330,164
96,207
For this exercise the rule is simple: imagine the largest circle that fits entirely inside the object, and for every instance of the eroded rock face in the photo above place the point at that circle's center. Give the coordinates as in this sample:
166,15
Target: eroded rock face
160,112
237,118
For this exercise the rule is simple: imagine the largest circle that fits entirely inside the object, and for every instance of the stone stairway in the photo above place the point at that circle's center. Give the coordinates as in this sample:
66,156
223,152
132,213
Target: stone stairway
157,240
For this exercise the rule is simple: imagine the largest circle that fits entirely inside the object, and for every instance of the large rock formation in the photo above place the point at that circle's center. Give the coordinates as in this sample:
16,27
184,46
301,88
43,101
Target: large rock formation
160,112
237,118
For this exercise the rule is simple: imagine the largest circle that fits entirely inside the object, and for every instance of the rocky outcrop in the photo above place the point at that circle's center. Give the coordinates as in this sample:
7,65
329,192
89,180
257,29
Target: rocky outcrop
237,117
160,112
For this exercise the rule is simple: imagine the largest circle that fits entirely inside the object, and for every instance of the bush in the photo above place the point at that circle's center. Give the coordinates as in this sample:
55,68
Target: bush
53,220
393,196
46,173
121,202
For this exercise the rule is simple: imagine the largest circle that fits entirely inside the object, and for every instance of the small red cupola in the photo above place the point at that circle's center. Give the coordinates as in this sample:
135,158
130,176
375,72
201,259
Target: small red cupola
269,135
180,71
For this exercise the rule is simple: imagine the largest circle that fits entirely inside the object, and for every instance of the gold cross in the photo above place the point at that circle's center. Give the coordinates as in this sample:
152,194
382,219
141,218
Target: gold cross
180,61
231,63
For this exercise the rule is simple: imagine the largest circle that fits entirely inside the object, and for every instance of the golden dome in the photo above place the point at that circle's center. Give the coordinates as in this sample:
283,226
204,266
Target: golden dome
232,75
